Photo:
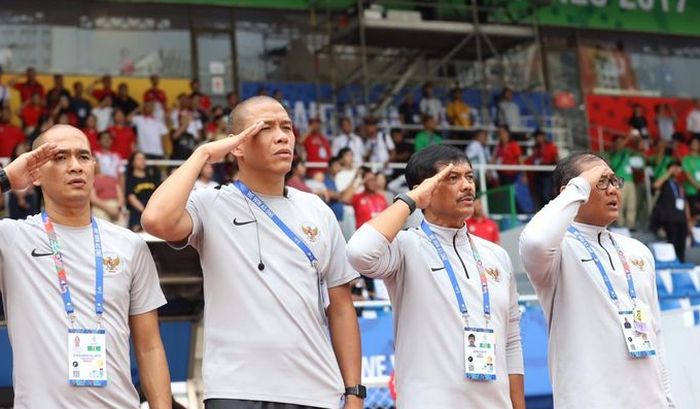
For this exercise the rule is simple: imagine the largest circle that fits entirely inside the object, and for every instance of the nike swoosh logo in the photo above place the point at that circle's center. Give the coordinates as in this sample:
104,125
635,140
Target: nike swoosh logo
585,260
237,223
35,254
437,269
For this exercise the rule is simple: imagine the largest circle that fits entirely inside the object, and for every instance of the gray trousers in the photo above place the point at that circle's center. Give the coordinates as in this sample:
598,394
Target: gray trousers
249,404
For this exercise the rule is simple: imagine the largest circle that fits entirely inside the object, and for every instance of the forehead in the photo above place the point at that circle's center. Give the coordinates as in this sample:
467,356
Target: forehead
584,165
68,139
459,167
265,111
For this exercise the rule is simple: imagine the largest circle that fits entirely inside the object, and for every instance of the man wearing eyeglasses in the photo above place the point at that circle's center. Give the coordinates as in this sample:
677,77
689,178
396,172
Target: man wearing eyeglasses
589,282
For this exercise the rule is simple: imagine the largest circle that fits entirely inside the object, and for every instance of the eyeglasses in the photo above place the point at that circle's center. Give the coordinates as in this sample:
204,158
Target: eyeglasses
605,182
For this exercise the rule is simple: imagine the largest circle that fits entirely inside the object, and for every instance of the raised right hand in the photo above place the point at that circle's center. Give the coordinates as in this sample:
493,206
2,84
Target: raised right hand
24,170
424,192
217,150
594,174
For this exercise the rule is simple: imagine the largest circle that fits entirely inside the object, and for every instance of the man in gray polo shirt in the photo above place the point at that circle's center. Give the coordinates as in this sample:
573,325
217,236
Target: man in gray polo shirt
56,288
456,314
275,274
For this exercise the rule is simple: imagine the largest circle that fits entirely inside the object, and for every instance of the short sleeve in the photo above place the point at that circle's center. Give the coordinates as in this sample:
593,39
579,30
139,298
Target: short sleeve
146,294
195,209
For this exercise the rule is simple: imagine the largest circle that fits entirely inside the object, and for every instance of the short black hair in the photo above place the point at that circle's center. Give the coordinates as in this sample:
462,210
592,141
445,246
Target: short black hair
569,167
424,164
343,151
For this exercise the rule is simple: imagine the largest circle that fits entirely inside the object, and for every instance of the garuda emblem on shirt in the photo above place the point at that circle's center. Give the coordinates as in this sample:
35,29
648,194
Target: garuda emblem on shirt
638,262
494,273
111,264
310,232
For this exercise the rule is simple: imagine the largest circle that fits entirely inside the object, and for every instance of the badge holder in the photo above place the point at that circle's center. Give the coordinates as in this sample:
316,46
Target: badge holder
87,357
636,335
479,353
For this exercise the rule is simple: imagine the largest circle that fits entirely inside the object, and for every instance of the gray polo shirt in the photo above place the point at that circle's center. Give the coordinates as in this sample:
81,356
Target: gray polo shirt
428,325
264,336
36,317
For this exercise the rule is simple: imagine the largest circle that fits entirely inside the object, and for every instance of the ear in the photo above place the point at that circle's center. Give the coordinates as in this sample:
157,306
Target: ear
561,189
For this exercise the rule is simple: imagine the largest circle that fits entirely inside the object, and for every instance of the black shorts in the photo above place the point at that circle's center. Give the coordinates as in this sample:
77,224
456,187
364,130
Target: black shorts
249,404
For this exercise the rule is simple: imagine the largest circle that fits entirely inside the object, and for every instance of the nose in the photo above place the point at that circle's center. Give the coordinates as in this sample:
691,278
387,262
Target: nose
282,137
74,165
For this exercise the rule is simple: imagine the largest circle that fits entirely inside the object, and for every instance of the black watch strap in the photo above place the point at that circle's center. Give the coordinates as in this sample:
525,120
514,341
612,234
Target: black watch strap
358,390
406,199
4,181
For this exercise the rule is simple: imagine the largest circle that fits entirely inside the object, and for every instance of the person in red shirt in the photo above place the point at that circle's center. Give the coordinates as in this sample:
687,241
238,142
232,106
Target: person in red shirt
90,130
106,89
317,147
10,135
370,202
155,94
30,112
204,100
123,135
507,152
545,152
680,148
481,226
29,87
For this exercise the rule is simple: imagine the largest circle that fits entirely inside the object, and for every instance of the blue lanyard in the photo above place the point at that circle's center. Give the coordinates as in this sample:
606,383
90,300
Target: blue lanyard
292,236
676,191
61,270
608,284
453,279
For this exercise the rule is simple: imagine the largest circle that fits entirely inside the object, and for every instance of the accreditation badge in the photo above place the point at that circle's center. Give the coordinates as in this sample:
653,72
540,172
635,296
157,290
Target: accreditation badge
479,354
680,203
638,343
87,357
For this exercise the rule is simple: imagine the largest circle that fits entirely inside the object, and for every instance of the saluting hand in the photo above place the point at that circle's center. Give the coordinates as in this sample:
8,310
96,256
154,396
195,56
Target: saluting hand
424,192
217,150
24,170
594,174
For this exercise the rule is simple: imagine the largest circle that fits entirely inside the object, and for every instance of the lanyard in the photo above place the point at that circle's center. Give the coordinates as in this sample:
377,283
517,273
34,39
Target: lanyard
628,273
453,279
292,236
676,191
61,270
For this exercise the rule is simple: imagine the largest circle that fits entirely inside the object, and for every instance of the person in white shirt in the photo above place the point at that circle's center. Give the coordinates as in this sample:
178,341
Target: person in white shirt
103,113
693,120
347,139
204,180
478,153
378,145
280,326
589,281
429,104
446,286
508,111
150,132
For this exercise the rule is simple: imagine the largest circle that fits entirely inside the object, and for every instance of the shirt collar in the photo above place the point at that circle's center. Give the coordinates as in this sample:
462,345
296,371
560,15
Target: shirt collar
449,235
589,231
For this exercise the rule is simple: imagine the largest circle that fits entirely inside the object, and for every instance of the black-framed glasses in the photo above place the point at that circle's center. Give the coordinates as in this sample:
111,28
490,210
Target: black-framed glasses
605,182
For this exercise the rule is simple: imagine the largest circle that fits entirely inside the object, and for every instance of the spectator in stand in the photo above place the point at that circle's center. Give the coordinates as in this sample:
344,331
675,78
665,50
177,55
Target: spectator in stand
199,113
344,180
183,140
333,201
4,94
691,168
123,136
481,225
103,113
110,161
211,127
379,146
666,121
508,112
124,101
692,121
107,197
545,152
317,148
430,105
106,89
639,122
195,126
29,87
62,109
620,164
671,211
204,100
220,129
295,177
30,113
458,112
369,202
507,152
79,105
150,132
90,130
348,139
204,181
659,156
232,100
427,136
409,113
680,148
140,185
157,96
22,203
55,93
10,135
478,153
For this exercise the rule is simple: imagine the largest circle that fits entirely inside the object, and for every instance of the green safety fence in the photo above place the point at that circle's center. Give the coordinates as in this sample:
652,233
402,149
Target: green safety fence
501,203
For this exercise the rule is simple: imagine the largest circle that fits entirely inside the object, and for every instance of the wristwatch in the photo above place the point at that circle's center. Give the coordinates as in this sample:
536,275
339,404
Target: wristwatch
4,182
358,390
406,199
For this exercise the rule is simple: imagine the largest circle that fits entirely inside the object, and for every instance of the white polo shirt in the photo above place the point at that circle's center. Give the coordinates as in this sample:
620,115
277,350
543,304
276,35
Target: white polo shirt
589,363
428,325
352,141
264,336
150,131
